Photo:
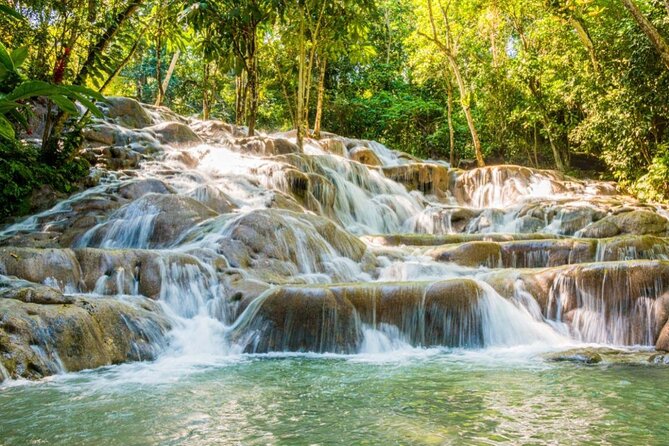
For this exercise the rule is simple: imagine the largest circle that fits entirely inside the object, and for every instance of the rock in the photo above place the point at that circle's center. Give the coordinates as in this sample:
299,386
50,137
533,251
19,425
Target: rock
40,340
276,244
153,221
333,146
59,267
425,177
365,155
175,134
584,356
214,198
136,189
127,112
640,222
659,359
28,292
214,132
473,254
264,146
323,318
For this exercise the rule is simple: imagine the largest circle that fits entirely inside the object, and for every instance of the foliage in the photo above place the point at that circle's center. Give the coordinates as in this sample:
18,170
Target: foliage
539,82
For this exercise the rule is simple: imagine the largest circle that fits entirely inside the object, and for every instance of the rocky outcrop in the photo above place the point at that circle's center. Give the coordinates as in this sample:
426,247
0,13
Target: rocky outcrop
328,318
640,222
41,334
365,155
126,112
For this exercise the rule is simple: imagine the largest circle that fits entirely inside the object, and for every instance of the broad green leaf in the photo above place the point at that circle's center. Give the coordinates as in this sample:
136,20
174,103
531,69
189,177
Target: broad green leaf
6,129
65,104
10,12
19,56
87,92
6,58
6,106
90,105
30,89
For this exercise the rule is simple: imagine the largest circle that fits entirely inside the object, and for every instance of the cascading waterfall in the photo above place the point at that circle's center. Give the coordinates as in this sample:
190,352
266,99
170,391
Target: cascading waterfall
252,245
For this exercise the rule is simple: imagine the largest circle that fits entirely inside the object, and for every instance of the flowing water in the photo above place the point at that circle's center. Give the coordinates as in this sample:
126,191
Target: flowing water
302,297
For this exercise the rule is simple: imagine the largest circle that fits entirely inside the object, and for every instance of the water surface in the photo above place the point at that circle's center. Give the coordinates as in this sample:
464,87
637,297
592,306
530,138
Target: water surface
426,398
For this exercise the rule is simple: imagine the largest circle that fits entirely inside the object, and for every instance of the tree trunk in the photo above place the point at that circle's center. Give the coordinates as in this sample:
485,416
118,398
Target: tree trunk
168,76
300,86
206,106
122,65
586,39
466,108
240,97
451,131
159,69
649,30
319,99
105,40
253,97
464,94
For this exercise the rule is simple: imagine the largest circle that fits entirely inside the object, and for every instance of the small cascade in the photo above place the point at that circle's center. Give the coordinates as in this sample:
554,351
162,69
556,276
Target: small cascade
130,227
608,305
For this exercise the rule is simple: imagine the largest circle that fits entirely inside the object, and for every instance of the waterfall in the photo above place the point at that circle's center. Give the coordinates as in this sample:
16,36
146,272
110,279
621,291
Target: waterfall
253,245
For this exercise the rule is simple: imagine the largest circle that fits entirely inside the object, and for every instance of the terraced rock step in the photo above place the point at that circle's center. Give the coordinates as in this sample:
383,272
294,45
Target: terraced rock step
450,239
552,252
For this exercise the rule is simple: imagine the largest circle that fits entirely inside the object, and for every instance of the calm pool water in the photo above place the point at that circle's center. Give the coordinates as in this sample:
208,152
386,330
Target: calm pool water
424,398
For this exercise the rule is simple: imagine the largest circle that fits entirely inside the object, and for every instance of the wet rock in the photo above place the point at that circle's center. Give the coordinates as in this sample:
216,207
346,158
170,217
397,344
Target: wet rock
638,222
323,318
101,133
365,155
214,198
277,243
127,112
59,267
434,240
260,145
153,221
40,340
175,134
28,292
471,254
136,189
659,359
584,356
333,146
427,178
214,132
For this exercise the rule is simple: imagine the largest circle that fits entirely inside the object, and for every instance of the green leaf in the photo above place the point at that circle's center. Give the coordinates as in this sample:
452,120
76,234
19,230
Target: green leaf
6,58
90,105
30,89
65,104
6,106
19,56
6,129
87,92
10,12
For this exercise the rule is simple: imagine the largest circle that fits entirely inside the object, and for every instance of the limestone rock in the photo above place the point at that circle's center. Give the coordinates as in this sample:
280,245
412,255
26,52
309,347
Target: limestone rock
127,112
365,155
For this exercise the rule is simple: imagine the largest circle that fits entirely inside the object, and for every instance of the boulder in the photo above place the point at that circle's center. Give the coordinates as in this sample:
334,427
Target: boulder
127,112
58,267
40,340
334,146
175,134
365,155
